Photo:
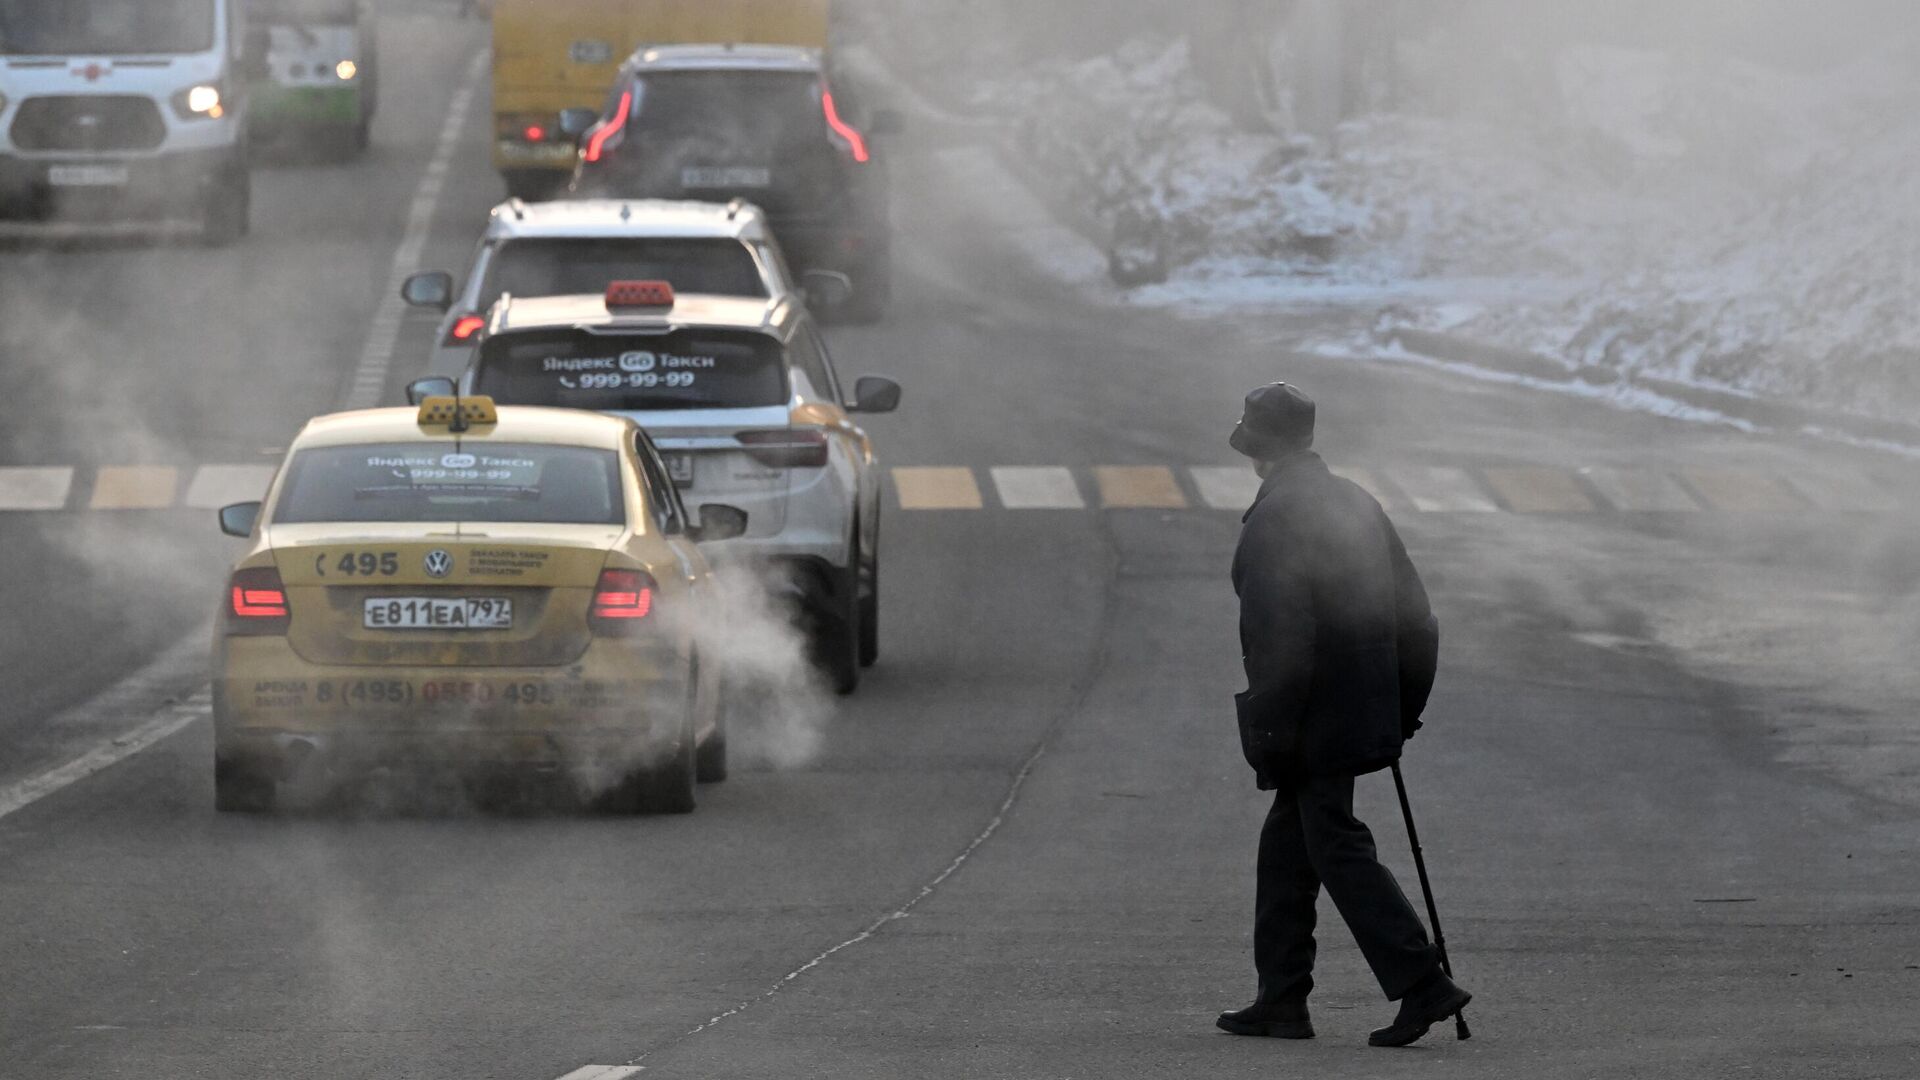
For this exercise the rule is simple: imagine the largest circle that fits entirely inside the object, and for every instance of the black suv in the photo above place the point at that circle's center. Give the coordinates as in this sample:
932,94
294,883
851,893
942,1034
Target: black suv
753,122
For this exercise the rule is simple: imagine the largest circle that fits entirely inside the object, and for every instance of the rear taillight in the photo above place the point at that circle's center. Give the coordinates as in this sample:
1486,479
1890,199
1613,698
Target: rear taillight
622,599
850,136
786,448
257,602
612,126
463,329
525,127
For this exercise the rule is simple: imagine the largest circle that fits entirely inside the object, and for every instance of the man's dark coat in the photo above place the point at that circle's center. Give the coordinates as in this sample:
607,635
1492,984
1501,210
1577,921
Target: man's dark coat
1340,645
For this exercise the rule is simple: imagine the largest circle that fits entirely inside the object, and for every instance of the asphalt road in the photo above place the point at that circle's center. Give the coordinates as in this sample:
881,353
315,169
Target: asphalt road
1024,849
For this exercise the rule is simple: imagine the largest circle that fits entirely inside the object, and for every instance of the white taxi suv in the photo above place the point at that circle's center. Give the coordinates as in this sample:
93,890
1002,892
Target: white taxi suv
579,246
741,397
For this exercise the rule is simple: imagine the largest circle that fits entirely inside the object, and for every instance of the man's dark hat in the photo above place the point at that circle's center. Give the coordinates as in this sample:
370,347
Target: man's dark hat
1278,420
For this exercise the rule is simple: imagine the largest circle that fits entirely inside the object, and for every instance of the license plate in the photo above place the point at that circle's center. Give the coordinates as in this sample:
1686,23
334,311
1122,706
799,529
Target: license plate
432,613
733,177
87,176
680,469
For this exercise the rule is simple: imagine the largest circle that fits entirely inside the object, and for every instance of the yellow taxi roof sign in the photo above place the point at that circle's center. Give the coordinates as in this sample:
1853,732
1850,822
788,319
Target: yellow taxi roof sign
458,413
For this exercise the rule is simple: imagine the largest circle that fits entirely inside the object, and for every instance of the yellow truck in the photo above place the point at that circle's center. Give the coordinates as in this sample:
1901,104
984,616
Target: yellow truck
550,55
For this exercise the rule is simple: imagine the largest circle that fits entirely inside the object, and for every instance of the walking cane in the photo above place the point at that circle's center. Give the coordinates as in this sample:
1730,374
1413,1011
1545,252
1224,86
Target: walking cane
1433,913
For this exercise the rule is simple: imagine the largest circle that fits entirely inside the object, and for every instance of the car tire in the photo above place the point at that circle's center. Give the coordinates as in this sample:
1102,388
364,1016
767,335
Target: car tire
836,633
242,789
710,761
870,613
668,788
872,293
228,213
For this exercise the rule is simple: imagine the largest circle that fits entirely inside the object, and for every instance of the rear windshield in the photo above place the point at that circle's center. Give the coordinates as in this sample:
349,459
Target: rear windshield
453,482
752,114
586,267
105,27
687,369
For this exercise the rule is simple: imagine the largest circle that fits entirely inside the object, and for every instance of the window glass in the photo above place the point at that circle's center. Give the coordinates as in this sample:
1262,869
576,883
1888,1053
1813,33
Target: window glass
662,499
686,369
810,356
105,27
466,481
584,267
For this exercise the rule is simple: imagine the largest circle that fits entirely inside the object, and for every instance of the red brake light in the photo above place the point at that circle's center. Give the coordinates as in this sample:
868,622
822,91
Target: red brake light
639,294
598,143
535,133
464,328
623,597
786,448
257,602
856,142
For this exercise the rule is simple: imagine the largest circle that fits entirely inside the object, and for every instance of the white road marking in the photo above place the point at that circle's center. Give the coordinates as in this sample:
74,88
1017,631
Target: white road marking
1226,488
1037,489
604,1072
215,486
383,335
35,489
1638,491
170,721
1367,482
1436,490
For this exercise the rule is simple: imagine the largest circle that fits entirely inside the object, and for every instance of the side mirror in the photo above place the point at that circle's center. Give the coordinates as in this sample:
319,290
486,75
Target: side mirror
239,519
875,394
826,289
719,522
886,122
420,390
576,122
432,289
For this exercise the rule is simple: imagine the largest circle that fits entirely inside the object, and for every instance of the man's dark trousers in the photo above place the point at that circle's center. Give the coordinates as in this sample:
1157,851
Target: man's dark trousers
1310,839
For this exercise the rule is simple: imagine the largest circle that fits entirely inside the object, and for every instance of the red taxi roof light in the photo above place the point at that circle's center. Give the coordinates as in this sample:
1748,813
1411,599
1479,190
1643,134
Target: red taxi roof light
465,327
639,294
624,596
856,142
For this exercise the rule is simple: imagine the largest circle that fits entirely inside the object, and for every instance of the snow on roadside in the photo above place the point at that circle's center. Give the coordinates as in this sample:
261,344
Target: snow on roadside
1702,219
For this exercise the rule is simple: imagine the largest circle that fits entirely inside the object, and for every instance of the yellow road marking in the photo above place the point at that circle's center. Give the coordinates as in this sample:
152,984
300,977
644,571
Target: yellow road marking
215,486
1540,491
1844,493
1742,490
1137,487
937,489
1641,491
135,487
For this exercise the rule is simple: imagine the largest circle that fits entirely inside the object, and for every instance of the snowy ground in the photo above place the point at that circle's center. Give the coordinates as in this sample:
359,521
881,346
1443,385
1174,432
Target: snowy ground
1702,219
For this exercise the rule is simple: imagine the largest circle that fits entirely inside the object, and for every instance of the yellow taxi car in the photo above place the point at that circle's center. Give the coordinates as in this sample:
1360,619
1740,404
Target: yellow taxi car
471,588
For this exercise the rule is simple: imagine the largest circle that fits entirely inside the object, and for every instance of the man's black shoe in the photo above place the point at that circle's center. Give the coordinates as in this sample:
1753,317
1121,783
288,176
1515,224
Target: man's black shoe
1435,999
1272,1020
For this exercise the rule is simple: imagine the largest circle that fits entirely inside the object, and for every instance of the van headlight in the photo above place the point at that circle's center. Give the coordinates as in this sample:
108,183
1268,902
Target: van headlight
200,102
346,69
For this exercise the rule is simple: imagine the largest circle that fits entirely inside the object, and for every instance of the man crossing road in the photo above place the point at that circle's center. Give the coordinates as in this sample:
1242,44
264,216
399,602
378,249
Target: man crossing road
1341,649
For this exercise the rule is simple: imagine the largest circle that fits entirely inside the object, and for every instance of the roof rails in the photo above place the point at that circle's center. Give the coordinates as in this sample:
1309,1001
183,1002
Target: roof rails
734,208
518,206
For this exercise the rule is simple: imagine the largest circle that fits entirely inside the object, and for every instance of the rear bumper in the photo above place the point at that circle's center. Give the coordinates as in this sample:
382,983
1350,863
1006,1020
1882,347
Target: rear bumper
621,702
179,181
852,247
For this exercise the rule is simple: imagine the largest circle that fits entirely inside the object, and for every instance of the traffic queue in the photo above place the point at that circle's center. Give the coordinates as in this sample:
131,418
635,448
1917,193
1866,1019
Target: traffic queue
513,576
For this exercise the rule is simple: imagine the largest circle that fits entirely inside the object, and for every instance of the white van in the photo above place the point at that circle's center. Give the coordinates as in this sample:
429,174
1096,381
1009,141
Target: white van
124,110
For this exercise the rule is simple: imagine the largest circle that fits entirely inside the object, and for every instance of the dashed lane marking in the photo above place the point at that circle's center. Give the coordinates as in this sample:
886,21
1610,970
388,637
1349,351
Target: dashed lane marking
215,486
135,487
1042,488
937,489
1368,483
1139,487
1539,491
1439,490
1844,493
163,725
1226,488
604,1072
1641,491
383,335
1745,491
35,489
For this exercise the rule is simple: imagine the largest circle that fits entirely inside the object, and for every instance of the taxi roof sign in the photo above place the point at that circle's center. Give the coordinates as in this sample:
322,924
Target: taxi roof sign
458,413
639,294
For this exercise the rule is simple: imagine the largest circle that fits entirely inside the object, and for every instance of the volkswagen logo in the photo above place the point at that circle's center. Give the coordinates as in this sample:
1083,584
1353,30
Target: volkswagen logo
439,563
